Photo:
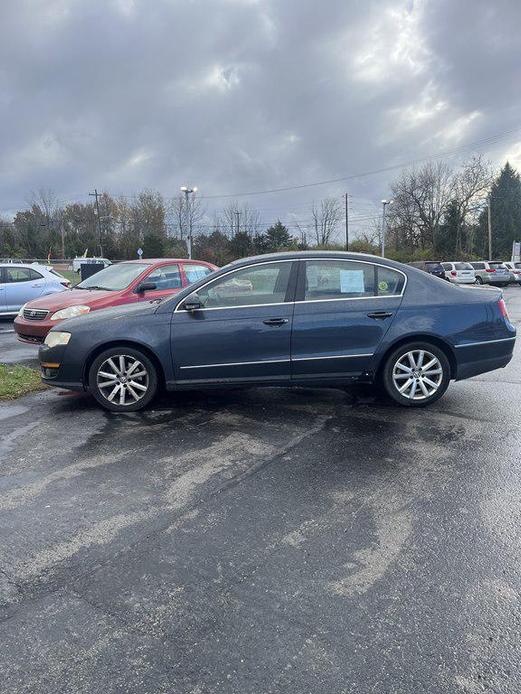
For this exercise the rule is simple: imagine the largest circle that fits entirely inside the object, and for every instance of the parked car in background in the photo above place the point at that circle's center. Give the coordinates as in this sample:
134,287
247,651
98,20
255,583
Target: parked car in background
125,283
20,282
459,272
433,267
491,272
515,271
77,262
302,318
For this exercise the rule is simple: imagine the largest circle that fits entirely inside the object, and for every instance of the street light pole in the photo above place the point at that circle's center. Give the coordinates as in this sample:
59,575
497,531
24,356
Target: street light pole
384,221
187,190
489,224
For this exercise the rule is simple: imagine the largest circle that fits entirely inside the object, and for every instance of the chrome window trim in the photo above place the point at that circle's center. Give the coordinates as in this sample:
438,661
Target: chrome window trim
485,342
301,301
237,269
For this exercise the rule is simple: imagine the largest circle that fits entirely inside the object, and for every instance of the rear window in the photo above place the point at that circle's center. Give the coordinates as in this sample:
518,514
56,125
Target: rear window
477,266
517,266
463,266
495,266
447,266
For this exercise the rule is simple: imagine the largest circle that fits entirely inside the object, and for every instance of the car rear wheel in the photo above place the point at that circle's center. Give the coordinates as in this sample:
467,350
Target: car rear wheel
479,280
123,379
416,374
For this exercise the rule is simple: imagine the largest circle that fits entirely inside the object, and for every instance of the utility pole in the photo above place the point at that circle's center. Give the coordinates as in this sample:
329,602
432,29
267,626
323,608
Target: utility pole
96,195
489,231
187,190
384,221
346,196
238,215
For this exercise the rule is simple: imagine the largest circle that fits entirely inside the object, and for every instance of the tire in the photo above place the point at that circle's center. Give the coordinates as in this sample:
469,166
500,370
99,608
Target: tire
105,380
479,280
424,389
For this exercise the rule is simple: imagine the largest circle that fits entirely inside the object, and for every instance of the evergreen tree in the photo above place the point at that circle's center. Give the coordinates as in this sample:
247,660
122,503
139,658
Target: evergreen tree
505,211
277,237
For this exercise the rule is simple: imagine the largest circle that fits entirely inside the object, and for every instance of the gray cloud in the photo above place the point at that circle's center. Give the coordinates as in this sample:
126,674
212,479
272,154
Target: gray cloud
237,95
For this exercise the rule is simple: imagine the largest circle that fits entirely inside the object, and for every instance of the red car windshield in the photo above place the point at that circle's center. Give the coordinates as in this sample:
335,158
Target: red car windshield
114,277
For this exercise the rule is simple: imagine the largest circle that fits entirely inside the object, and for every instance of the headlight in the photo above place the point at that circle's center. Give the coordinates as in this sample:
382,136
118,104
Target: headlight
55,338
70,312
21,311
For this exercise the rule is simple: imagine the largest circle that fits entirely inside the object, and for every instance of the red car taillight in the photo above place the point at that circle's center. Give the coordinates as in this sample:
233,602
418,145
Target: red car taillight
490,270
454,273
503,309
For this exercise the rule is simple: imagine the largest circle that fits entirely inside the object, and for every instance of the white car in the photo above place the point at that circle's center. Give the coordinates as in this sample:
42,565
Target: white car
515,271
459,272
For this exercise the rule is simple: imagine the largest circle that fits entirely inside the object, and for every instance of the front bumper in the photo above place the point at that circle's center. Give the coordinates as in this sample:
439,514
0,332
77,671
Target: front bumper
32,331
57,371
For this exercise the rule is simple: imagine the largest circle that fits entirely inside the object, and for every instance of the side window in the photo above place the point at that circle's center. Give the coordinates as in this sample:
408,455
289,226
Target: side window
195,272
389,282
165,277
261,284
18,274
338,279
35,275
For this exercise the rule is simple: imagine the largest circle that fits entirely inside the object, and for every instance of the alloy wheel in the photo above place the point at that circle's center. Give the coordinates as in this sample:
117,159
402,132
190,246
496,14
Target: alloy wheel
122,379
417,375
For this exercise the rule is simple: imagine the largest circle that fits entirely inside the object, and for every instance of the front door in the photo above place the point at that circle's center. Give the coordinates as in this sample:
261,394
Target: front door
242,331
22,285
342,312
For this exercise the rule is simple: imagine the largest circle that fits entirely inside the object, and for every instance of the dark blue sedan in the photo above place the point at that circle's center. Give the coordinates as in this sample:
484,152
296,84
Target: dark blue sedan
308,318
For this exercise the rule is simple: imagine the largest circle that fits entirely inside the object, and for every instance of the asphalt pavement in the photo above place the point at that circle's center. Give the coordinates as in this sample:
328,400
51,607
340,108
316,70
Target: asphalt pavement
263,541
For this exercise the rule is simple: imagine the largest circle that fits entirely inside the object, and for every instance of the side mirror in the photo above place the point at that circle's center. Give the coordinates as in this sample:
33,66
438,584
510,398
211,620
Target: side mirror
192,303
145,287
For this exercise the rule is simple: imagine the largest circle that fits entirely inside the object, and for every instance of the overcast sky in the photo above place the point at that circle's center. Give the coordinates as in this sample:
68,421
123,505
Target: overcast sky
237,95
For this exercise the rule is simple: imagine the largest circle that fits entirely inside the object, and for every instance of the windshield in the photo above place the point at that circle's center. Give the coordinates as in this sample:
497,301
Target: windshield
114,277
434,267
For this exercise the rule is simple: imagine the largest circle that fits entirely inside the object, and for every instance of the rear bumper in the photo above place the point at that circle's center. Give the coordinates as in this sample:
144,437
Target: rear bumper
478,358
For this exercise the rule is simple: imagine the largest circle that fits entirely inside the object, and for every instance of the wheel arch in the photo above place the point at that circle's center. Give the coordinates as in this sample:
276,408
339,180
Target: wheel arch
123,343
446,348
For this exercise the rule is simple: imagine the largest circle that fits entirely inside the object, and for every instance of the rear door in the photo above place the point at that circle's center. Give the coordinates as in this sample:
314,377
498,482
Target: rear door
193,272
342,312
242,331
22,284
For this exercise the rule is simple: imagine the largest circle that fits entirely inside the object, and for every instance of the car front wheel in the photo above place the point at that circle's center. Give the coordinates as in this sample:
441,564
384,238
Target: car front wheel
123,379
416,374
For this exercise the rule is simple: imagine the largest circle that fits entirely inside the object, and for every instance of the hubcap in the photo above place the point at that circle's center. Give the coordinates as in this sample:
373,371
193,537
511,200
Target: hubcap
122,379
417,375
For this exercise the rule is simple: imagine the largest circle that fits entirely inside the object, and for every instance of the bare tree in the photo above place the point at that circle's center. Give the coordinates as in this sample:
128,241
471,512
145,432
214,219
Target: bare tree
235,218
326,216
183,217
471,187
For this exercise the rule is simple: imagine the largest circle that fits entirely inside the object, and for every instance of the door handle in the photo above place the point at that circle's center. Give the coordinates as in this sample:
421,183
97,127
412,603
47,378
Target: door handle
275,321
379,315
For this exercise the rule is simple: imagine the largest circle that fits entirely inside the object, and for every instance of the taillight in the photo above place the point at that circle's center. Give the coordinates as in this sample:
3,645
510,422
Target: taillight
454,273
503,309
490,270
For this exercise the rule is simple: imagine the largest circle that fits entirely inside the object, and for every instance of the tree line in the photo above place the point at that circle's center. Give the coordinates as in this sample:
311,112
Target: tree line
438,211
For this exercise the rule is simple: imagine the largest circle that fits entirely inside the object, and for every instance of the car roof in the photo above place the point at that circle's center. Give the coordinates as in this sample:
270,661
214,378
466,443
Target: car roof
29,265
315,254
166,260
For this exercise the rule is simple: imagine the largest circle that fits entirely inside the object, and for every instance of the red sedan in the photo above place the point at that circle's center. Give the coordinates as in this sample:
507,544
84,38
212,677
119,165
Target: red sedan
123,283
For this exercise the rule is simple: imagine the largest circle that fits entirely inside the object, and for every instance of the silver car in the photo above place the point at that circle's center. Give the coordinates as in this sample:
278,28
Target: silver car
492,272
459,272
515,271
